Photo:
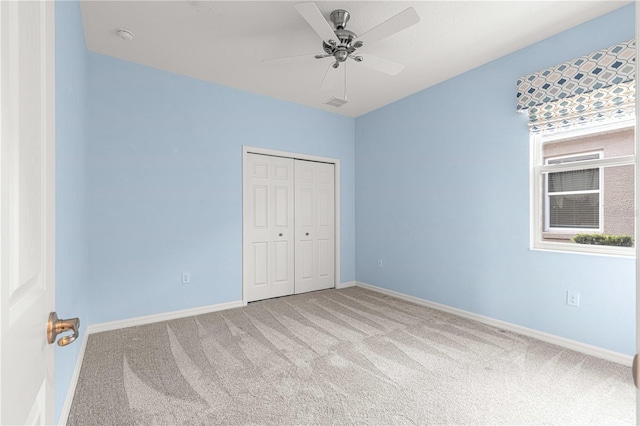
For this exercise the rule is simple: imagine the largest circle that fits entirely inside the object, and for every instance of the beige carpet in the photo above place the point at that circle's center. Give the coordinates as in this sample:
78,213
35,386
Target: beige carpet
347,356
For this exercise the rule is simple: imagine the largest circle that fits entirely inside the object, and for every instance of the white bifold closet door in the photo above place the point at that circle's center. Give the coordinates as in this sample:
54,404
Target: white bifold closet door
289,225
314,223
268,258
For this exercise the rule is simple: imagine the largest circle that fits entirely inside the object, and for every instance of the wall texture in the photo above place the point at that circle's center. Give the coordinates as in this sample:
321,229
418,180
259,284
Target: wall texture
165,178
442,196
71,236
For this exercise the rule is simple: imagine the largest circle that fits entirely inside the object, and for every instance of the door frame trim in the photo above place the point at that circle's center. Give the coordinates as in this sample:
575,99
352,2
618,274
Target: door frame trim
637,204
296,156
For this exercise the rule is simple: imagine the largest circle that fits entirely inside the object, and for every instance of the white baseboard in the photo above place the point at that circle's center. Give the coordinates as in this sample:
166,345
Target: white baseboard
345,284
66,408
148,319
545,337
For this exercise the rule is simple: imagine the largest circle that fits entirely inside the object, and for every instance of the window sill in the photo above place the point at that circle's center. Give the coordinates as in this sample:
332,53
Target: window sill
550,236
588,249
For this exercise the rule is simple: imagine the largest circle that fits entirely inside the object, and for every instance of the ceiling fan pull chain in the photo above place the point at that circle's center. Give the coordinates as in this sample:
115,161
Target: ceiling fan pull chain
345,81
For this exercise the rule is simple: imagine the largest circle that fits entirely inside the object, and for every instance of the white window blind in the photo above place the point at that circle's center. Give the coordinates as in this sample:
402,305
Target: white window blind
573,197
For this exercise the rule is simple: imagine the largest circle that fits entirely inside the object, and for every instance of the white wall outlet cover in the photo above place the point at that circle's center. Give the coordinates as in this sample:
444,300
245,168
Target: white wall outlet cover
573,298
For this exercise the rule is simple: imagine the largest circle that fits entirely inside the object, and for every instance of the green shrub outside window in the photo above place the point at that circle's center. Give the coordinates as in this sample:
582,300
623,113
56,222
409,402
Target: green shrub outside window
604,240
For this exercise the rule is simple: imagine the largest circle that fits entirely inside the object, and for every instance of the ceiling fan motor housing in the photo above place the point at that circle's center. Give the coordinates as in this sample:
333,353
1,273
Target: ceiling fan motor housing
345,37
340,17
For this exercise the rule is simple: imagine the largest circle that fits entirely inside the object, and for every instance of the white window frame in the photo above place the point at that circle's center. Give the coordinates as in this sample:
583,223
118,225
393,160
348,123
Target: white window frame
538,168
599,191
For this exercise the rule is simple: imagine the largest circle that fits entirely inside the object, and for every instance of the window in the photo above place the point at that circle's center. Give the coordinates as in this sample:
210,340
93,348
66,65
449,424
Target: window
573,199
582,189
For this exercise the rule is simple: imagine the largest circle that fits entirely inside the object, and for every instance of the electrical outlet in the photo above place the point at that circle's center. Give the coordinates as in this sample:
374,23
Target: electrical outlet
573,298
186,278
379,263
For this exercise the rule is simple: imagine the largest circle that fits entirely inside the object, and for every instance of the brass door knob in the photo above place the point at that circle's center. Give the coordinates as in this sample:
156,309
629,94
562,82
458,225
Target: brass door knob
57,326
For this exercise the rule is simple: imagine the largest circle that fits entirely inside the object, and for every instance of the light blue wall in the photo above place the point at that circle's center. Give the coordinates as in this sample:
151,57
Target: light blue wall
165,179
442,196
149,179
71,235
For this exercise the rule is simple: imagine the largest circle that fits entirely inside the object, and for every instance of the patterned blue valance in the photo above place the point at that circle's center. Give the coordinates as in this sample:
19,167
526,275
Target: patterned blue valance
594,87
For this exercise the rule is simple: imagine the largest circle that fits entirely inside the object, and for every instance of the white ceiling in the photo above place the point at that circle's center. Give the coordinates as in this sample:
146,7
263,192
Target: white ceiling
225,42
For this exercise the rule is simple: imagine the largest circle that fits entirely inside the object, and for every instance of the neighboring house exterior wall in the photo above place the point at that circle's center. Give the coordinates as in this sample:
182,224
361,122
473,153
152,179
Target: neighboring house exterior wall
618,182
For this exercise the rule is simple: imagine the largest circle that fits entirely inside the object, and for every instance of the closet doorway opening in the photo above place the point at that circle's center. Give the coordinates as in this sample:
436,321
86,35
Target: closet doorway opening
290,223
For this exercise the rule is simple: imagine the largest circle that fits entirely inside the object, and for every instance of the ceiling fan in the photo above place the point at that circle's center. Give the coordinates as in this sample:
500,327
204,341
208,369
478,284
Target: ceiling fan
340,44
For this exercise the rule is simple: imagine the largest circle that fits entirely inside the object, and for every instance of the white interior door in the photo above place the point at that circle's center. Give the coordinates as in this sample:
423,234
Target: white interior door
315,226
26,211
268,259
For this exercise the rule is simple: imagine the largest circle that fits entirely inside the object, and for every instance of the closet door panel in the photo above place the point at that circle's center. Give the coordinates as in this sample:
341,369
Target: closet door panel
314,225
268,259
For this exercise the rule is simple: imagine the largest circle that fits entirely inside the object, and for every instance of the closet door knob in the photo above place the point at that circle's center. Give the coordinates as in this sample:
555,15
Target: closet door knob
280,234
307,234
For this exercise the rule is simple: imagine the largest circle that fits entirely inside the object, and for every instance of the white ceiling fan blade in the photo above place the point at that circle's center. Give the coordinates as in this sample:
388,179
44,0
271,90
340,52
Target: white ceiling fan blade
402,20
314,18
330,78
382,65
296,58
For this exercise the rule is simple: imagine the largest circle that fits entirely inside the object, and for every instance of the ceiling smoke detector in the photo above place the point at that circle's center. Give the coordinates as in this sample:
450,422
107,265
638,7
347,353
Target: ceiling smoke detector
125,34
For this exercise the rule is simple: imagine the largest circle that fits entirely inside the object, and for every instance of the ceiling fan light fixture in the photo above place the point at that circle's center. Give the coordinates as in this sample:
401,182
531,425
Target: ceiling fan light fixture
341,55
341,44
